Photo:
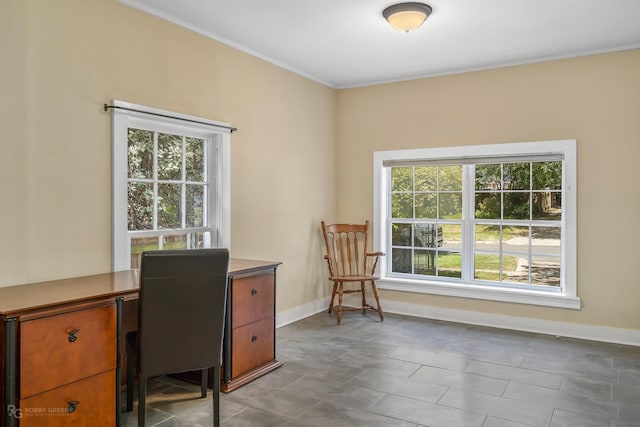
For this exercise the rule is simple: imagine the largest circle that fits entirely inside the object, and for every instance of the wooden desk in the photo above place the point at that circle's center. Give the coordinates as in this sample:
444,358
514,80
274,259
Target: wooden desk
60,343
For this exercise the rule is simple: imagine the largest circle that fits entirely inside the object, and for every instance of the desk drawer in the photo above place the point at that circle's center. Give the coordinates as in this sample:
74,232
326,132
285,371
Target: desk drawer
252,298
93,398
253,346
50,355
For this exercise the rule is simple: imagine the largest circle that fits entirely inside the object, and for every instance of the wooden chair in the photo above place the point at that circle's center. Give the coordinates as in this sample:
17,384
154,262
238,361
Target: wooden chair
349,262
181,311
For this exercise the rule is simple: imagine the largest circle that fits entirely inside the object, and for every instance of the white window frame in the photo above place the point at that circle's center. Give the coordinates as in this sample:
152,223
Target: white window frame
219,173
566,296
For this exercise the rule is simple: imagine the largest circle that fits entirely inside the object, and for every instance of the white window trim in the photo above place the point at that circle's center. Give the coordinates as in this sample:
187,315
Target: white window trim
221,138
567,297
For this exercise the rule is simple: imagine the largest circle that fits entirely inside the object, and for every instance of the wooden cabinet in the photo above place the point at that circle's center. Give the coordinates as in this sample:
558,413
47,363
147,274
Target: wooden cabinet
253,346
86,403
249,341
61,349
58,351
63,367
252,297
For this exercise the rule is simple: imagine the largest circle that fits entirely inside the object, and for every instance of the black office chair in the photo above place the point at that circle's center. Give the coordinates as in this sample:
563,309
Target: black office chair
180,320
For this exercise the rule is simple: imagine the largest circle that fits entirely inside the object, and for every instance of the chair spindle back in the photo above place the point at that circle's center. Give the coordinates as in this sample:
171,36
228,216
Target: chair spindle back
346,246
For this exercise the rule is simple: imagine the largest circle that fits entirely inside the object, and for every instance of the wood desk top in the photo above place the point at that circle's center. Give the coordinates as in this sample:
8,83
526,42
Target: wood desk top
34,296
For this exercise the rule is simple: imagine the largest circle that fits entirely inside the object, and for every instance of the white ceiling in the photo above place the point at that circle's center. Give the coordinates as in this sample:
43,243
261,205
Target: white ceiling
347,43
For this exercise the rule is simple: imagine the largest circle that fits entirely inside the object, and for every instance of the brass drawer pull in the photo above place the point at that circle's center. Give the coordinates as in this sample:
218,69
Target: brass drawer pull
73,405
254,338
73,337
254,292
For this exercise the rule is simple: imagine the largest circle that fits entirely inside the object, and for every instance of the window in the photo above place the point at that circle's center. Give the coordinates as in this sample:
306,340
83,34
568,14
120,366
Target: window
170,183
491,222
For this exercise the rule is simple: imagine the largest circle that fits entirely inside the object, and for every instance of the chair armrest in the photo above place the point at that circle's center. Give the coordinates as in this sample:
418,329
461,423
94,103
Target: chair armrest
375,254
329,264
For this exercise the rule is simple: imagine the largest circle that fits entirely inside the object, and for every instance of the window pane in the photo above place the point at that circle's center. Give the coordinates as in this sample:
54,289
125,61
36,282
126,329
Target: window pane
425,262
426,178
195,205
516,176
488,177
169,213
199,240
401,234
402,206
401,262
169,157
516,205
194,161
511,264
515,239
515,269
487,267
140,206
545,271
546,240
425,236
174,242
451,236
487,238
547,175
450,178
426,205
521,276
450,205
402,179
449,264
487,206
140,153
547,205
139,245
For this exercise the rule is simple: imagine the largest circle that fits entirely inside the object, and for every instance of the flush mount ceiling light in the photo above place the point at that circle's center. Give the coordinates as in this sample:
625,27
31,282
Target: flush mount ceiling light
407,16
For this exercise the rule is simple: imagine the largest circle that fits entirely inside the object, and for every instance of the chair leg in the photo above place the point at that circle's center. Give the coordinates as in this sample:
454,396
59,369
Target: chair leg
204,379
130,376
216,396
333,296
375,294
339,310
364,298
142,397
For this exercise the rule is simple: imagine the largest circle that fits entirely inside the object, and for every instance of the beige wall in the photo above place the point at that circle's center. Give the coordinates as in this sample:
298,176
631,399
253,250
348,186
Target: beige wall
13,129
595,100
69,57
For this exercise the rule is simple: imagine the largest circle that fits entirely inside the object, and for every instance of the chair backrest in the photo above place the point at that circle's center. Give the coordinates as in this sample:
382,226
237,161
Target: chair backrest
181,310
346,246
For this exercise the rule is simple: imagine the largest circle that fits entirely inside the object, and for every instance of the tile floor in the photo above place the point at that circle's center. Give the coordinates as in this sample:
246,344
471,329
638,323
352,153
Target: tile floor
415,372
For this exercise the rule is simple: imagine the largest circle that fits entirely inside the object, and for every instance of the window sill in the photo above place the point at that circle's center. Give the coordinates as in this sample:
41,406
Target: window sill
520,296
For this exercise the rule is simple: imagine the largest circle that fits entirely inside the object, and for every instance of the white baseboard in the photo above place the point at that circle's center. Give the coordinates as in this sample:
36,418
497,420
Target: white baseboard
300,312
526,324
